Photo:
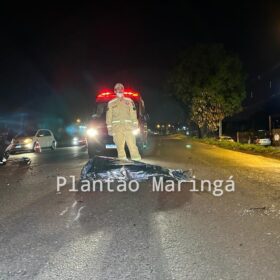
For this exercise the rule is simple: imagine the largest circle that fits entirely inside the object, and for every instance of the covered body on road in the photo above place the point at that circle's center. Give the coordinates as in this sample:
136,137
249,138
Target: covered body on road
105,168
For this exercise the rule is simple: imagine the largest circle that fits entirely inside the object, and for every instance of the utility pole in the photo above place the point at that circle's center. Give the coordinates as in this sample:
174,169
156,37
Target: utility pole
269,124
220,128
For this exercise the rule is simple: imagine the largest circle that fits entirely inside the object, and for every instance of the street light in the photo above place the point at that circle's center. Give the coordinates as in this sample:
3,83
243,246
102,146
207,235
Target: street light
78,120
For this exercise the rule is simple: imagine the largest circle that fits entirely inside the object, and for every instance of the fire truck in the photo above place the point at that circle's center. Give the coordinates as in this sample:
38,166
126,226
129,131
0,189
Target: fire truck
98,140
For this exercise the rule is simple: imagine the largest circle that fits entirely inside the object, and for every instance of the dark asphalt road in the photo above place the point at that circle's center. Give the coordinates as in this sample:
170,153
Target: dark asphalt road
145,235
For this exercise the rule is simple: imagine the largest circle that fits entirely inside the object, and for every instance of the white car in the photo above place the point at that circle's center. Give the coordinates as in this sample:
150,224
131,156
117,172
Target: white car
263,141
26,140
262,138
225,138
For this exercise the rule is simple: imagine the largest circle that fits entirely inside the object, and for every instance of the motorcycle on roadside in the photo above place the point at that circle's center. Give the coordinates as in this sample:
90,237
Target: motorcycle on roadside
5,147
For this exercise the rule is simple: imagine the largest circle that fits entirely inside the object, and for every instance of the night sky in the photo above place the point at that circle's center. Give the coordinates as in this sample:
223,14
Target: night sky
55,58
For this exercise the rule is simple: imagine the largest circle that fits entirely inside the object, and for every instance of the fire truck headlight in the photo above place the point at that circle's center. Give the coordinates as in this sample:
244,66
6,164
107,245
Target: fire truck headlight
136,131
75,141
92,132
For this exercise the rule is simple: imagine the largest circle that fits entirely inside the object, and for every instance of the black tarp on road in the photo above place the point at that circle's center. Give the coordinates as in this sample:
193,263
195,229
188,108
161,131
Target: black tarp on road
105,168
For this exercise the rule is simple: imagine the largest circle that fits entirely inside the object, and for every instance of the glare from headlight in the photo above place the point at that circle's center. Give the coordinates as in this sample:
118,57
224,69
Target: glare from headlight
136,131
29,146
75,141
27,140
91,132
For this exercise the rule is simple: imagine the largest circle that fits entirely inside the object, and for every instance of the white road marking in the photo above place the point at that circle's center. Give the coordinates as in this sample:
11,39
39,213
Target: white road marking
64,211
79,213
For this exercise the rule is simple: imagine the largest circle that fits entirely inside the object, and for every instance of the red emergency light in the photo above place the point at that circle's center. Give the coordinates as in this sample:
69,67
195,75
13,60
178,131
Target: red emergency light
132,95
106,96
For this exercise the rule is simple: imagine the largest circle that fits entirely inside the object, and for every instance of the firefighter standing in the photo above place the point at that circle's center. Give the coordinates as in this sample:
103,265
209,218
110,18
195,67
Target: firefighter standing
121,120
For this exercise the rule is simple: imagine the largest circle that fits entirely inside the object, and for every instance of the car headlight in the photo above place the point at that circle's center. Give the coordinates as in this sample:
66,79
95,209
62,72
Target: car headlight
92,132
29,145
27,140
75,141
136,131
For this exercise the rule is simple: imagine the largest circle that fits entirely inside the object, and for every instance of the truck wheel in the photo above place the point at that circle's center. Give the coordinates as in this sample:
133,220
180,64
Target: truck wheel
146,148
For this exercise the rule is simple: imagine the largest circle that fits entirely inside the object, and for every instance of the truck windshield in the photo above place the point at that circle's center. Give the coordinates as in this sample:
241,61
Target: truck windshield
100,110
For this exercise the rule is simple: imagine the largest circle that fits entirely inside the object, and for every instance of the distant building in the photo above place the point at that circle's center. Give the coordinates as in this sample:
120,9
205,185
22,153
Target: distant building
261,109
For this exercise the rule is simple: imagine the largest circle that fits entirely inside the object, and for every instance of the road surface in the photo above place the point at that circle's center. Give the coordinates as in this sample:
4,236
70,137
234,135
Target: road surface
45,234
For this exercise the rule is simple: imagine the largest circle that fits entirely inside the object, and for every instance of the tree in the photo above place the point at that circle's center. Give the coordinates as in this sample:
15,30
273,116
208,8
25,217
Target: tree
211,84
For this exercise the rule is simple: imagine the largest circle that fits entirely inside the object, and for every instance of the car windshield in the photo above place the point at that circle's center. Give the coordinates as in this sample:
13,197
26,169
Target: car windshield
262,134
26,133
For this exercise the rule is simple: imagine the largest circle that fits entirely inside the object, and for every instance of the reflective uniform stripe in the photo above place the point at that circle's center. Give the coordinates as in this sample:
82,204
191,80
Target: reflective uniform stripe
121,121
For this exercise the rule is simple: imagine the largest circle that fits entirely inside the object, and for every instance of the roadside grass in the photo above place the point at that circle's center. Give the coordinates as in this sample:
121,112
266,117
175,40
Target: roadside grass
269,151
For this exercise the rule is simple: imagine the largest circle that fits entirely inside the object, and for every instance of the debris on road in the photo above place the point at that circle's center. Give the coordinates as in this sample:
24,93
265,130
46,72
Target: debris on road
25,160
257,208
262,211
